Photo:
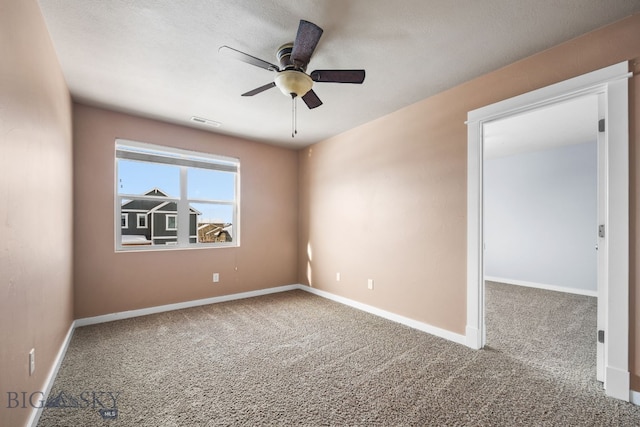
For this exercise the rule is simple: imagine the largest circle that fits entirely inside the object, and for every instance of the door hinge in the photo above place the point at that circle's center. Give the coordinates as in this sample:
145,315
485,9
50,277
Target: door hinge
601,125
601,337
601,230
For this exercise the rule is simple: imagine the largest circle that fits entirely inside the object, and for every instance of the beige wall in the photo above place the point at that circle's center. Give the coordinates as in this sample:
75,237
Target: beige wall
108,282
36,299
387,200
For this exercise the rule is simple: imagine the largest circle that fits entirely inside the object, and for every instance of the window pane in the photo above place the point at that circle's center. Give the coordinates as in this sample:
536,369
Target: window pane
142,177
206,184
215,222
171,222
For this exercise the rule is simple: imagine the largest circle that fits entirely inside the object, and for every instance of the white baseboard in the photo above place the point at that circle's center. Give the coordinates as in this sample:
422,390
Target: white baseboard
457,338
424,327
53,372
473,339
634,397
542,286
178,306
618,383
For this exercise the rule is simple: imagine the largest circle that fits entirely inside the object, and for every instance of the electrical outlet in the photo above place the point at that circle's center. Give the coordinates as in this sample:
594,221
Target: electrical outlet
32,361
370,284
216,277
337,277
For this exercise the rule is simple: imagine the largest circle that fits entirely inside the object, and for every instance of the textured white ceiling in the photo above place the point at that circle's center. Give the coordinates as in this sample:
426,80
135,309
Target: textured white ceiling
159,58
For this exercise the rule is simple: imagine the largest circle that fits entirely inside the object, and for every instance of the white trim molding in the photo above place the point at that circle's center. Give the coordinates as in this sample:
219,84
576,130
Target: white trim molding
180,305
433,330
421,326
611,83
617,383
53,373
544,286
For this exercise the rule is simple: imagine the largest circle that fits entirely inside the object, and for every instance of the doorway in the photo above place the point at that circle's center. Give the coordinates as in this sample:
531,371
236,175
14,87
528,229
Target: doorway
611,86
540,179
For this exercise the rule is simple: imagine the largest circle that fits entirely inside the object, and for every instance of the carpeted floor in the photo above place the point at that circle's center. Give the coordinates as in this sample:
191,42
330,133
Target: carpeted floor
298,359
551,331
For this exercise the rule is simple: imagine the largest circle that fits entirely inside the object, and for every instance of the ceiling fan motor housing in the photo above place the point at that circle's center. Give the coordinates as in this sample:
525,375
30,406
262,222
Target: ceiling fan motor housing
284,56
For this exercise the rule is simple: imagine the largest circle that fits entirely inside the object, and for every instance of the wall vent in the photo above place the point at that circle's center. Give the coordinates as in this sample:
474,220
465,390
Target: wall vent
207,122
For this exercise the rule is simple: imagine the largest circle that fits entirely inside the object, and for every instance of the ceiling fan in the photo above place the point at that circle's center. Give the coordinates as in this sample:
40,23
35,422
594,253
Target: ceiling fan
291,77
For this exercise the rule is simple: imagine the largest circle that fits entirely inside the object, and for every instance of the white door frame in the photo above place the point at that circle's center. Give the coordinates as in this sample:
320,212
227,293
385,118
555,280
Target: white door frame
612,83
601,243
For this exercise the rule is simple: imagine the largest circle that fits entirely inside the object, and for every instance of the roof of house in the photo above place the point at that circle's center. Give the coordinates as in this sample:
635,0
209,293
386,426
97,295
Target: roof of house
146,205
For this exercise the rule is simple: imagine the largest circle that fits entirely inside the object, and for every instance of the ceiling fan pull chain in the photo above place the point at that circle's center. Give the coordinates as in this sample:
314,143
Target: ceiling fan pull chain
294,116
293,113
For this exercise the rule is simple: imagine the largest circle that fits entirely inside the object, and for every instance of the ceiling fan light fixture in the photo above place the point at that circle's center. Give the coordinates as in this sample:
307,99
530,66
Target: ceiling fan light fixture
293,82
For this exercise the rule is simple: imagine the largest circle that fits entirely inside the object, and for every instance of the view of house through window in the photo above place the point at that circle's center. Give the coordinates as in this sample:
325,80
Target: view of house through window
167,197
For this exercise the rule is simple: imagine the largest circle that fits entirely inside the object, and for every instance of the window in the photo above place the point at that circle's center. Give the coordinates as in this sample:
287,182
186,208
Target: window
180,198
142,220
171,222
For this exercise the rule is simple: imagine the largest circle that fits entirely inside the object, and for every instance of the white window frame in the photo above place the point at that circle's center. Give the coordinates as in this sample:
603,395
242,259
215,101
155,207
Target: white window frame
124,216
143,216
175,222
185,159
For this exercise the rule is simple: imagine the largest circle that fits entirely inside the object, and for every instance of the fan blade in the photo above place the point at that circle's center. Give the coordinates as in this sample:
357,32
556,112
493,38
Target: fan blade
245,57
259,89
338,76
311,99
306,41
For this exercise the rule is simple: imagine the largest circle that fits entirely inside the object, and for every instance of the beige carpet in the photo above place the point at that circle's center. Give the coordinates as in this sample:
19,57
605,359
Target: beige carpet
552,331
298,359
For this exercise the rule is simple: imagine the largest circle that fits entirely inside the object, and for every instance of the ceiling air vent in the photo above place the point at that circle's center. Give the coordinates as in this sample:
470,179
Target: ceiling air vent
207,122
